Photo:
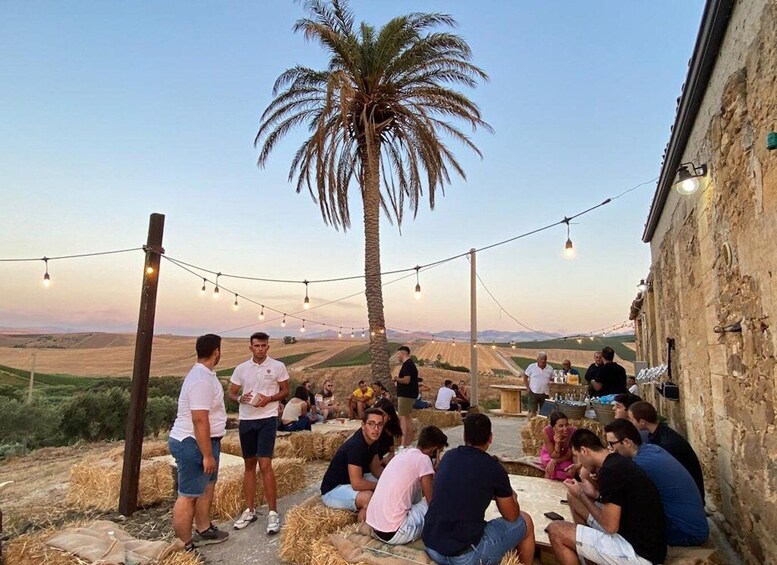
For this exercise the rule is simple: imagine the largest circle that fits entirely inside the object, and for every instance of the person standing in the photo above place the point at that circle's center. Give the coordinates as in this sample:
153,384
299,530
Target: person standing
620,522
467,480
593,370
257,385
611,377
195,443
536,377
407,394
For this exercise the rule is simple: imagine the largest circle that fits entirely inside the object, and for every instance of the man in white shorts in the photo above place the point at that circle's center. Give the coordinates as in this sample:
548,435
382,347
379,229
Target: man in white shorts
618,516
397,509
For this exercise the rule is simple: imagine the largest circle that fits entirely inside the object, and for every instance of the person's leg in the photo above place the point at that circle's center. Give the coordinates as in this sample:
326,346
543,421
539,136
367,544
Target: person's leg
249,483
342,497
579,511
532,404
268,480
352,409
526,546
413,524
202,513
563,542
183,515
541,400
501,536
362,500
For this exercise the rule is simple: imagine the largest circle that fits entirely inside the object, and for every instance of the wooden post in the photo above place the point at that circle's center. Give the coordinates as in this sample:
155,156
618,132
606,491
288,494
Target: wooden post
32,377
133,446
473,328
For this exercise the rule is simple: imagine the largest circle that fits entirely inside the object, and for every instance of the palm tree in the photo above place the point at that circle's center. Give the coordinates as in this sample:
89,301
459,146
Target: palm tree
375,115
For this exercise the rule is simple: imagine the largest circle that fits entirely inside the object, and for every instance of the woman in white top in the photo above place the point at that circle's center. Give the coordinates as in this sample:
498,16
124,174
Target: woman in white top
294,418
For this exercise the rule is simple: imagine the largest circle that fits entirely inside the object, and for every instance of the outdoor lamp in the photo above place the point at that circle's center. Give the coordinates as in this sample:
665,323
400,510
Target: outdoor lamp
688,178
642,286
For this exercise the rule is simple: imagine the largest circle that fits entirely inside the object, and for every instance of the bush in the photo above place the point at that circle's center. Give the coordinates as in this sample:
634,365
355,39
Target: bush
11,391
95,416
161,412
33,425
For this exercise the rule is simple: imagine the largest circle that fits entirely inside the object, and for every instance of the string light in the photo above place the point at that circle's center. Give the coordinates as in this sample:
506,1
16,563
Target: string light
417,284
302,329
363,335
351,333
372,333
340,333
453,342
236,306
569,249
261,313
306,303
203,290
432,338
216,288
46,277
512,345
493,345
283,322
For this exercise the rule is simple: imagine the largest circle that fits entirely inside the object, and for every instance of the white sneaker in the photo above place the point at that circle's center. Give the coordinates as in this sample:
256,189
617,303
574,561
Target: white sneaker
246,518
273,522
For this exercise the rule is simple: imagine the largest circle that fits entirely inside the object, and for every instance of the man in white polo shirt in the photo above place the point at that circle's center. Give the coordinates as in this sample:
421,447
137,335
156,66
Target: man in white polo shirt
195,443
536,378
258,384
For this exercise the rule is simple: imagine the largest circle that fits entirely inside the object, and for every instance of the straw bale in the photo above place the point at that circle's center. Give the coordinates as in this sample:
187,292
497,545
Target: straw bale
332,443
439,418
304,444
510,558
95,483
230,444
151,448
306,523
284,448
228,501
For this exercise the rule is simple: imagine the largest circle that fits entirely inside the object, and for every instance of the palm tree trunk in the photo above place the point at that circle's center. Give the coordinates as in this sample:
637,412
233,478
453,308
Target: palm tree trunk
372,279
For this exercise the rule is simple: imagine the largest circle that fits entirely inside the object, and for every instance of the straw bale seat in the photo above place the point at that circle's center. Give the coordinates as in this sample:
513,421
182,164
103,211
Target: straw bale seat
305,444
306,523
439,418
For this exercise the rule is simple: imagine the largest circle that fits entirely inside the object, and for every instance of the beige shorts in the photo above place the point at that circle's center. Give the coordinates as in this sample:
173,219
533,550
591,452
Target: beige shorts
404,405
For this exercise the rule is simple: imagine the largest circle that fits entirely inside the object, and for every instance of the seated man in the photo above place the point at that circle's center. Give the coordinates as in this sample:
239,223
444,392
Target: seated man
361,399
400,501
631,383
446,397
686,522
327,406
467,480
623,402
644,416
353,472
622,522
568,369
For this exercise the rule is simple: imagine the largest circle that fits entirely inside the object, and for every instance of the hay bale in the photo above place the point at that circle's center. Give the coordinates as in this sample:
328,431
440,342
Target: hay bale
510,558
307,523
305,443
439,418
151,448
230,444
284,448
332,443
228,501
95,483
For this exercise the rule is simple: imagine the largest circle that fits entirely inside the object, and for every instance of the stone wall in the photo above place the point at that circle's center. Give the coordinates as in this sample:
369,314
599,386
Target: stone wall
714,267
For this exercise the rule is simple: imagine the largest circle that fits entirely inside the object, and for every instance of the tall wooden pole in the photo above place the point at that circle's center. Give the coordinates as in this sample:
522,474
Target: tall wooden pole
133,446
473,328
32,377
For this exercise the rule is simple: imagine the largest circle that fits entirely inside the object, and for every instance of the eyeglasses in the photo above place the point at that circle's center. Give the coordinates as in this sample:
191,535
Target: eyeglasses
374,425
612,444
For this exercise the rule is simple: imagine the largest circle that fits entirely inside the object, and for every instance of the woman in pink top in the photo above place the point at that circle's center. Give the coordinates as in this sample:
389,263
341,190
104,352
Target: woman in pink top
556,453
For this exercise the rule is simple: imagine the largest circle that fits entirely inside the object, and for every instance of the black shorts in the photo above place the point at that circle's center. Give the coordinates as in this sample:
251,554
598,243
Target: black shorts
257,437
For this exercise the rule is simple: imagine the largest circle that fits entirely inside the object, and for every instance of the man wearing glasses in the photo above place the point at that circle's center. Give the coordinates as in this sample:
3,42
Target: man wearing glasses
353,472
618,518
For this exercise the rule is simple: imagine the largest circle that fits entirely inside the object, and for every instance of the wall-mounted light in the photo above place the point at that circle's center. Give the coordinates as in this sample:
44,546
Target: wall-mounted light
688,176
642,286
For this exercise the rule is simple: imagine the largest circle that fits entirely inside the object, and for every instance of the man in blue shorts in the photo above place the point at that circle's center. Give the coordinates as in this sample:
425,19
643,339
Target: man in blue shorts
195,442
258,384
466,482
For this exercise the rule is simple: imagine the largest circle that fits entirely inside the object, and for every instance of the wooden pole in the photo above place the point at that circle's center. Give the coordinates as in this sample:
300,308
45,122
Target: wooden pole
32,377
473,328
133,446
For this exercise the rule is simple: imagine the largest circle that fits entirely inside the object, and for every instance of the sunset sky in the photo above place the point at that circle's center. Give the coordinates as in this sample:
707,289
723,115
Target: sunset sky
112,111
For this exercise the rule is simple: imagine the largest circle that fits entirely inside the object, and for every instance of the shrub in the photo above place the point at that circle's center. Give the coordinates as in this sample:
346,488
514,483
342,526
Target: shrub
161,412
33,425
96,416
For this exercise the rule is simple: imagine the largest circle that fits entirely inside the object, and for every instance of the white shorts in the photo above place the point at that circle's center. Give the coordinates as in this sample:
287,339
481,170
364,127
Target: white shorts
596,545
412,526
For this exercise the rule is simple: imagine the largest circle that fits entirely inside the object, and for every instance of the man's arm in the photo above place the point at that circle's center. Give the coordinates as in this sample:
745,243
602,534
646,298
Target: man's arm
234,389
202,435
427,481
356,477
508,507
375,467
609,515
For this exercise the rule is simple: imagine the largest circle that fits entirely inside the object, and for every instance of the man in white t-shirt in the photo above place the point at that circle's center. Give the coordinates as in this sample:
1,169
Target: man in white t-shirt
397,508
257,385
536,377
445,397
195,443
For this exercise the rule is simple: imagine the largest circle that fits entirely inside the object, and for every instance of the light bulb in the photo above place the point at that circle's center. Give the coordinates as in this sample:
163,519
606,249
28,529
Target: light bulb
149,270
687,186
46,280
579,340
418,292
216,293
261,314
236,306
203,290
591,337
432,339
569,249
512,345
453,343
362,333
283,322
642,286
306,304
351,335
302,329
493,346
340,333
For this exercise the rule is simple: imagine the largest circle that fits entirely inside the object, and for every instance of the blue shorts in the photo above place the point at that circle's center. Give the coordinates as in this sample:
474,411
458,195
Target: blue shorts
343,496
499,537
192,480
257,437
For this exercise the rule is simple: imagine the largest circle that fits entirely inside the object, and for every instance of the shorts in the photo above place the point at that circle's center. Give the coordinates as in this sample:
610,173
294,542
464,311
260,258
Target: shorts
536,401
257,437
596,545
404,405
343,496
499,537
412,526
192,481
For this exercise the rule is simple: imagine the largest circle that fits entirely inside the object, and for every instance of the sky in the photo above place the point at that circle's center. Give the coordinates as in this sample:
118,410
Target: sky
114,110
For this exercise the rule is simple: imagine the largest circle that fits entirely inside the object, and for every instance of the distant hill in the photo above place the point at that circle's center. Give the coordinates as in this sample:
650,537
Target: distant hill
485,336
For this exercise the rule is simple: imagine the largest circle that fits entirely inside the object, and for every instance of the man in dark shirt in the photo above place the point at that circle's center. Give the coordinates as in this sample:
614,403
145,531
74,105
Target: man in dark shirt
407,393
611,377
621,523
644,416
592,371
466,482
353,472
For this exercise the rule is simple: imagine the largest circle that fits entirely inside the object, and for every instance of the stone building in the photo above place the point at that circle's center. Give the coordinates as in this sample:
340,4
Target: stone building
712,285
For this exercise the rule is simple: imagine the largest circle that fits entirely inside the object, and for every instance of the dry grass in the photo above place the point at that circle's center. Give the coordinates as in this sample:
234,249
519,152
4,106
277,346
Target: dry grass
95,483
439,418
306,523
228,501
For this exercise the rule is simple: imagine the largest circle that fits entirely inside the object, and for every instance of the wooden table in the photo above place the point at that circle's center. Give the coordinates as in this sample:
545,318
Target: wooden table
510,400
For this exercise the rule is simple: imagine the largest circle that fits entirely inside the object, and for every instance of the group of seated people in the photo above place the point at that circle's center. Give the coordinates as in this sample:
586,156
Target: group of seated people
629,498
452,396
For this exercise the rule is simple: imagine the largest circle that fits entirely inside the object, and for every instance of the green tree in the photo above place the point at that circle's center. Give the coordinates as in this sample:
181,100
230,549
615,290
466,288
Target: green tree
377,115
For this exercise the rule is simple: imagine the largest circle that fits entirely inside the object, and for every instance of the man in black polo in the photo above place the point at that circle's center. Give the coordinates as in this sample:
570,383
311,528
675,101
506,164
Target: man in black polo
592,371
466,482
611,377
618,519
407,394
